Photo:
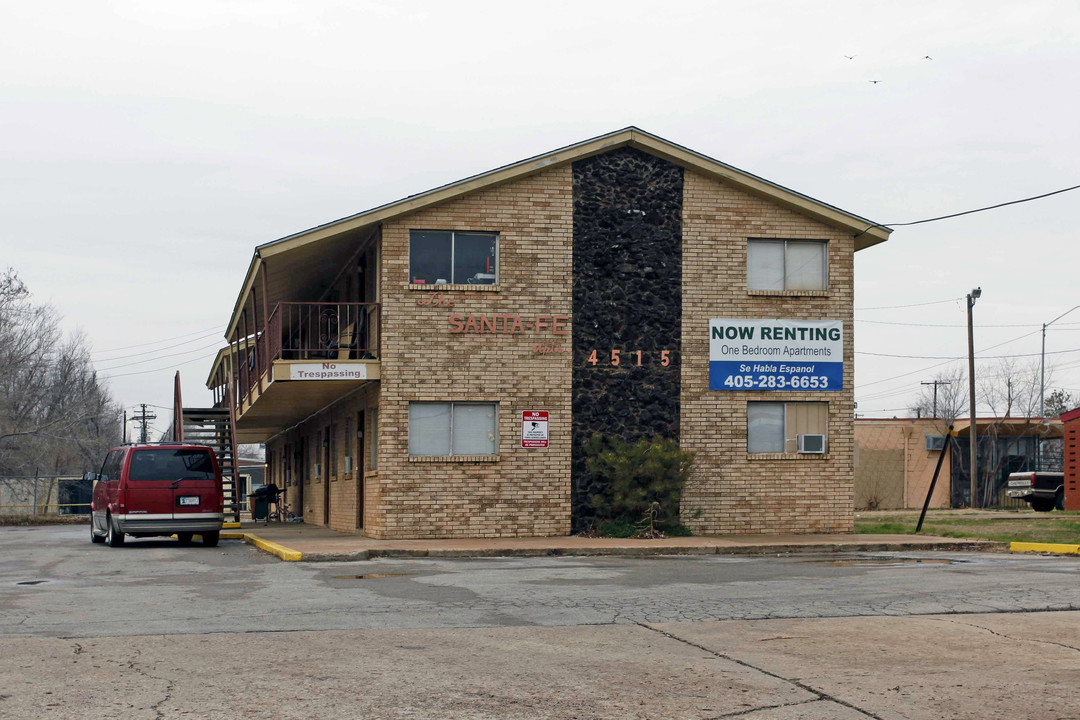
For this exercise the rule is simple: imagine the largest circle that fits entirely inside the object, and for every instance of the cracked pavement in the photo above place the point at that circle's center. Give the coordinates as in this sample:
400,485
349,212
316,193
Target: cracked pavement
157,631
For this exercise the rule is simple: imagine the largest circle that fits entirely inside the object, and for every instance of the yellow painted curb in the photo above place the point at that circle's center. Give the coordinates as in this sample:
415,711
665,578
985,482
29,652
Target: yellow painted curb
230,525
1045,547
286,554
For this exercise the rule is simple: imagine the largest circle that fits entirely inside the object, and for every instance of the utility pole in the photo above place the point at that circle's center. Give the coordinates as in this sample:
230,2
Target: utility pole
935,383
1042,364
972,433
125,427
144,417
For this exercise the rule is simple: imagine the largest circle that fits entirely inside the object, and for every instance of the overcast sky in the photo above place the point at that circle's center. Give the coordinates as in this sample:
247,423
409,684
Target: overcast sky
147,147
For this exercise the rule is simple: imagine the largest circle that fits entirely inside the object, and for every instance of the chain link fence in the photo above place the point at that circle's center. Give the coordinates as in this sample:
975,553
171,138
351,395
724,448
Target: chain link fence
45,495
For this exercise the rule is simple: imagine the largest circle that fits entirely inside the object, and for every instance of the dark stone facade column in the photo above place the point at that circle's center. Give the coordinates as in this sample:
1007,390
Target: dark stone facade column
627,296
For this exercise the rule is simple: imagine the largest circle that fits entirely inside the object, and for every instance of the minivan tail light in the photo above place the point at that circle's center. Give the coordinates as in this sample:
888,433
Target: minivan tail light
120,496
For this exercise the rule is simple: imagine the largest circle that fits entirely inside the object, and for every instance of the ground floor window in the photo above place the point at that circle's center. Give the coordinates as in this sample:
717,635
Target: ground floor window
445,429
786,427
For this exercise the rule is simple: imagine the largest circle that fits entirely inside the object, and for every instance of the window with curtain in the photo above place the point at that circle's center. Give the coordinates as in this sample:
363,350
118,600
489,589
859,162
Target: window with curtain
448,429
445,257
786,264
775,427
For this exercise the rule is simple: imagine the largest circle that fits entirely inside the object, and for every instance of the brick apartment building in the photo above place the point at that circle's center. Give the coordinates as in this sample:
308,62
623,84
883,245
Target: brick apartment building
434,366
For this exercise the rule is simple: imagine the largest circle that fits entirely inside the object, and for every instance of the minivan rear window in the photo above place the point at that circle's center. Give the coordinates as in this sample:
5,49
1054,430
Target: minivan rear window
171,464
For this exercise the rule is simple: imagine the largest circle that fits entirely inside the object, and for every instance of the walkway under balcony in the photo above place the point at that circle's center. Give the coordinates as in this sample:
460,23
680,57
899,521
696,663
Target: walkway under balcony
308,355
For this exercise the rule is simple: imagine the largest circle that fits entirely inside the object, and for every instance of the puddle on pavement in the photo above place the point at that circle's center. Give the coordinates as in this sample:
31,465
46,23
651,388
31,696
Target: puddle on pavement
371,576
874,562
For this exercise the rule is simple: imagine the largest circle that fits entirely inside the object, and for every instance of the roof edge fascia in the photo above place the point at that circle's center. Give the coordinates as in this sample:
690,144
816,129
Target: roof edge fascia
868,232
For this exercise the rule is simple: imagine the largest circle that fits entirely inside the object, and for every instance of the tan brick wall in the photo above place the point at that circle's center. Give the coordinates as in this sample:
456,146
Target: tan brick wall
343,487
731,492
527,492
524,492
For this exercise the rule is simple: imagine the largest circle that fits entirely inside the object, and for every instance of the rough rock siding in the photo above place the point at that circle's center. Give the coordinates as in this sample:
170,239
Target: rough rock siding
627,297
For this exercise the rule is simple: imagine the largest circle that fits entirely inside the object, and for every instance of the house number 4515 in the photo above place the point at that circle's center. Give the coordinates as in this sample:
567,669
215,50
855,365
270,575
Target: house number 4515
629,357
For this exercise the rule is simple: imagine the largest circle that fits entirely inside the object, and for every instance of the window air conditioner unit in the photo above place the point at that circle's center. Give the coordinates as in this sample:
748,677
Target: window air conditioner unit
935,442
348,463
812,444
318,470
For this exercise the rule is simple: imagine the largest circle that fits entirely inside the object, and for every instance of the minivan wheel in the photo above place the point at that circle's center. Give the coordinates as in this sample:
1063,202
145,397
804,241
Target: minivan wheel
1059,499
94,537
184,538
114,538
210,539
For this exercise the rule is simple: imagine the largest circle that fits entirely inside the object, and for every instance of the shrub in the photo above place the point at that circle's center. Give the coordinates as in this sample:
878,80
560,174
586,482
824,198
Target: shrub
645,478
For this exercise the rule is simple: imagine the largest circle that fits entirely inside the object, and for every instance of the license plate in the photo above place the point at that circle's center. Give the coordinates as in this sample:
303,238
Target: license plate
1019,483
189,499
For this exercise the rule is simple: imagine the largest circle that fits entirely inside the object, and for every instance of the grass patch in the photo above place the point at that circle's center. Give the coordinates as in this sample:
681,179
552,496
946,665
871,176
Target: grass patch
1047,528
23,520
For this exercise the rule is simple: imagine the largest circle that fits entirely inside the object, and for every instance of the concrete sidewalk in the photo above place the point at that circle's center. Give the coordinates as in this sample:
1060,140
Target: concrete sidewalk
317,544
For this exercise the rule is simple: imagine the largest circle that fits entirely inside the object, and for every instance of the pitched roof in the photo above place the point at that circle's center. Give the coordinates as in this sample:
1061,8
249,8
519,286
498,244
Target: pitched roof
866,232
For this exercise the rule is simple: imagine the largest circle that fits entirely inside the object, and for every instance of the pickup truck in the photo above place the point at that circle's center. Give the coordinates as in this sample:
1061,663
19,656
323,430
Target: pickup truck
1043,491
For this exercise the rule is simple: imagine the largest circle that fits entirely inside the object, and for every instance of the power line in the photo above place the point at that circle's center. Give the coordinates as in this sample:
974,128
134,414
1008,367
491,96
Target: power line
937,365
151,352
969,212
958,325
160,357
894,307
988,207
155,342
160,369
963,357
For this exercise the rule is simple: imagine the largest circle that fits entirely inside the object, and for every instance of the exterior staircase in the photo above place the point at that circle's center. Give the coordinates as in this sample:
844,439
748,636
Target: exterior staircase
214,428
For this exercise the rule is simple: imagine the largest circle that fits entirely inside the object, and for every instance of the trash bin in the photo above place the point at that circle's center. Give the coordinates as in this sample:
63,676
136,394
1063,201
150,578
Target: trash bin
260,505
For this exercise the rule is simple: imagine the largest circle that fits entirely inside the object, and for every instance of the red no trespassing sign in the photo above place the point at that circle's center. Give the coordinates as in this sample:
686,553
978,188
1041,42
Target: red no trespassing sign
534,428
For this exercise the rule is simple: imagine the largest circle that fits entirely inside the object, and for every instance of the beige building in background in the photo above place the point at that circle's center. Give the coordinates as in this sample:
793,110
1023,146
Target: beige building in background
895,461
895,458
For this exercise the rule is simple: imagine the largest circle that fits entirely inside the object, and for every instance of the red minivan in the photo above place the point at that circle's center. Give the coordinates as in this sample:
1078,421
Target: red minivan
157,489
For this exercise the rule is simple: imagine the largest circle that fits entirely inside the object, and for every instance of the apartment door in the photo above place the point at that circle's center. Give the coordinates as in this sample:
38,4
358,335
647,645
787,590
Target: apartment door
326,476
358,469
299,474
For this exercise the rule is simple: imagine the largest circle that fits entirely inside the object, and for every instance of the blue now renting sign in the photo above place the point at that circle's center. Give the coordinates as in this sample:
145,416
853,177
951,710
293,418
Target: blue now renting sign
776,354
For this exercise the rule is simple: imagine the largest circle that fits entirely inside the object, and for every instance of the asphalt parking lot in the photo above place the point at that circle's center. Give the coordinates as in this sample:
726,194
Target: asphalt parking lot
157,630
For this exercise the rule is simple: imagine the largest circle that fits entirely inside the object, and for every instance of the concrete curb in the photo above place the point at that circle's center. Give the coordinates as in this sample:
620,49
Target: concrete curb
286,554
1056,548
390,553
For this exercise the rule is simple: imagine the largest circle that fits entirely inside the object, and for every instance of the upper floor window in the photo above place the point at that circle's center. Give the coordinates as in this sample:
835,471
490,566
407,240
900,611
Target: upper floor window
445,257
786,264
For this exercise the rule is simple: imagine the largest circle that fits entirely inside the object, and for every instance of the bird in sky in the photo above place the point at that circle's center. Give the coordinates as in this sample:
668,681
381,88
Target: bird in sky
927,57
850,57
875,81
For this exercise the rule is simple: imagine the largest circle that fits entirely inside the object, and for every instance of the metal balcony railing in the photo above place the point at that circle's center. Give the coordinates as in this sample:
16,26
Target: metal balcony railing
310,331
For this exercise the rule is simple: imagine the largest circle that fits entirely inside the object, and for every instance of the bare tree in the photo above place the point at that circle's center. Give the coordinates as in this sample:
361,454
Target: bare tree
55,416
1011,391
944,402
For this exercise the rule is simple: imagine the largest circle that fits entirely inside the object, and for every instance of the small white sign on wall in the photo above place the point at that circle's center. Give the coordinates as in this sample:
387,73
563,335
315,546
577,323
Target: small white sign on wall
327,371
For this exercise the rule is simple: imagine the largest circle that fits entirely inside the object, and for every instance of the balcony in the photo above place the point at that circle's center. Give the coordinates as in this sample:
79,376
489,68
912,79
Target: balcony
308,355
